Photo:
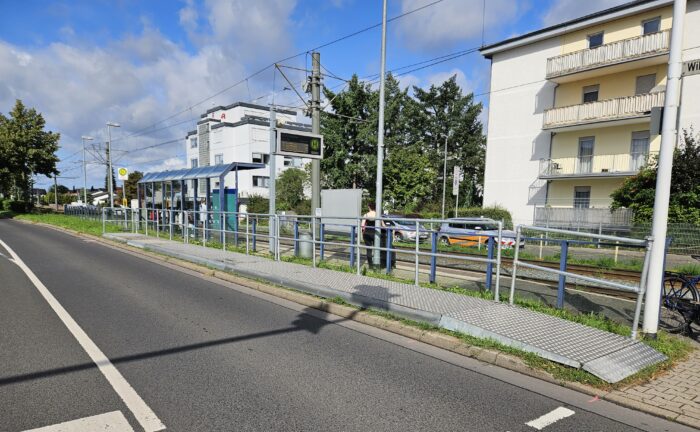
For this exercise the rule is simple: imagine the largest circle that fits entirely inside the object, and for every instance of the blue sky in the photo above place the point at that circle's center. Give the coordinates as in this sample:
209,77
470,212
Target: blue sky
83,63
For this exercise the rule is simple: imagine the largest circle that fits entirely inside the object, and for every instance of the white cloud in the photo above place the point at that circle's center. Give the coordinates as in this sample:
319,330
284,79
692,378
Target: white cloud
563,10
438,78
142,78
452,22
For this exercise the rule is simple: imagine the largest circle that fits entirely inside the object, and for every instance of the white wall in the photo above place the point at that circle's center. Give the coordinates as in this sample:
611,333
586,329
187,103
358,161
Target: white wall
516,142
690,87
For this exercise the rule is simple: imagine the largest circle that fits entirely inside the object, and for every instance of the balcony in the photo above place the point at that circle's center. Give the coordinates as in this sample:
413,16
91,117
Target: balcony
610,165
650,48
630,109
593,219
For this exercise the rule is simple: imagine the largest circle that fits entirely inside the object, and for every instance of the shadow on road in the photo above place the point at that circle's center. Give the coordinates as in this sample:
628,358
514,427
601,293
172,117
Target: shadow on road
310,320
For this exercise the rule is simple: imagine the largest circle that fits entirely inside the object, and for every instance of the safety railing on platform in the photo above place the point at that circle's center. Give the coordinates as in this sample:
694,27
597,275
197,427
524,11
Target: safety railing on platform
565,239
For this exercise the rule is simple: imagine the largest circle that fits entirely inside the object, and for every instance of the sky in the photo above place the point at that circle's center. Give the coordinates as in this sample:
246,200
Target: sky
155,66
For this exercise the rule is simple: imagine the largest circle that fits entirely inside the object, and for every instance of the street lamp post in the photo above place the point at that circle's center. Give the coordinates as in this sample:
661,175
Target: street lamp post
444,178
380,144
85,138
109,162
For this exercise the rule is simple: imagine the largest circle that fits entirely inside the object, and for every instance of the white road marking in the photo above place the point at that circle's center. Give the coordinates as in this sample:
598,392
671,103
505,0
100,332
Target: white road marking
549,418
112,421
144,415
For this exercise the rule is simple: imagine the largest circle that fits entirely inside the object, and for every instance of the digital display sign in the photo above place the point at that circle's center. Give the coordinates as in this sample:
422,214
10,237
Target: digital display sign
299,144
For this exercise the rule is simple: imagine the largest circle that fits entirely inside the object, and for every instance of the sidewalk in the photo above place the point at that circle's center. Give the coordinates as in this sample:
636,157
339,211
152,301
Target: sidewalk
609,356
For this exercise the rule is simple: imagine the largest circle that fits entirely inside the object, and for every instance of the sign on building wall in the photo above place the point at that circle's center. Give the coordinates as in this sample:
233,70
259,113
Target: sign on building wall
691,67
299,144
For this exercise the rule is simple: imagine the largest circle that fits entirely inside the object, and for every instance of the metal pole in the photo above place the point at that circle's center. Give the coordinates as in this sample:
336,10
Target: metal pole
380,144
642,288
55,191
315,128
515,266
109,162
444,179
663,177
83,138
417,251
497,290
272,209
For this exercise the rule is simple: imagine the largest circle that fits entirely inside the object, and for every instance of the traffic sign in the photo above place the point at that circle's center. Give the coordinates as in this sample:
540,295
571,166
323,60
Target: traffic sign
455,180
123,173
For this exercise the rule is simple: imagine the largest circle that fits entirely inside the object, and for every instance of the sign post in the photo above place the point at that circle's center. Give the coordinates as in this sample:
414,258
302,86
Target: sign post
456,173
123,175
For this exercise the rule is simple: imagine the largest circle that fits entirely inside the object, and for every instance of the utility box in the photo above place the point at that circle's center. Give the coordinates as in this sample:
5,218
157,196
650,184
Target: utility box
339,204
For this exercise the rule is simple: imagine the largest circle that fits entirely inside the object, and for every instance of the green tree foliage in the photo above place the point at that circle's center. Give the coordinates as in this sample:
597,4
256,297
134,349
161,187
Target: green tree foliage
637,192
415,130
25,149
130,184
61,189
258,204
290,188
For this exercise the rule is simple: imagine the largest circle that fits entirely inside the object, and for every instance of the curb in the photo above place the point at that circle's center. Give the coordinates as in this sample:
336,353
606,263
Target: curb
440,340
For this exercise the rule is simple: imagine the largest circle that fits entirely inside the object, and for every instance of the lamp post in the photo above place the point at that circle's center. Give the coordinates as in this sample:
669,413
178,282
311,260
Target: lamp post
85,138
109,162
380,144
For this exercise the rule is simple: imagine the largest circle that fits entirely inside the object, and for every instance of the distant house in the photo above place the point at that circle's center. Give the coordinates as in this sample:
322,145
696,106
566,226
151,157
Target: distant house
99,198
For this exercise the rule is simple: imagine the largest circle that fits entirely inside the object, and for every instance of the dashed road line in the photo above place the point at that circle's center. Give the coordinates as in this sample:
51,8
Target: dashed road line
550,418
142,412
112,421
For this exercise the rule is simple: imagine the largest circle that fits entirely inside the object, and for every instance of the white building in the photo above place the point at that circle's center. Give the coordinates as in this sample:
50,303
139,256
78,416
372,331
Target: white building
240,132
570,108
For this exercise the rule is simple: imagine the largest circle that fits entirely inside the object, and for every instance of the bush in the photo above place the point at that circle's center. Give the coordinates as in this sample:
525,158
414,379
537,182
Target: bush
258,204
496,213
16,206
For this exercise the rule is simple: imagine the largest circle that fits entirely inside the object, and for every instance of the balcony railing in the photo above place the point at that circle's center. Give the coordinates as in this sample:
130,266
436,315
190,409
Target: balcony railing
609,165
616,52
605,110
583,218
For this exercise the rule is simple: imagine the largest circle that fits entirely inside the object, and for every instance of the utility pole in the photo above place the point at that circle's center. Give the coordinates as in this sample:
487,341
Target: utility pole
669,135
273,173
55,191
380,144
315,128
109,162
84,138
444,178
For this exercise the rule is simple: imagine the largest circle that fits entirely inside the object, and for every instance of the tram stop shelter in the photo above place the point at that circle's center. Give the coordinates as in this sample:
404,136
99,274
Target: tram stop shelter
187,189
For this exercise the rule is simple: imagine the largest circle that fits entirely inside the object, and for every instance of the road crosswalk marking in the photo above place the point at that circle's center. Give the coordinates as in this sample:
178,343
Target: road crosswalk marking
112,421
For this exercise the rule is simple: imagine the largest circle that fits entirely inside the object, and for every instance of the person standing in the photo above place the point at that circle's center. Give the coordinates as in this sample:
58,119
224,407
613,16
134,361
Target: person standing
368,231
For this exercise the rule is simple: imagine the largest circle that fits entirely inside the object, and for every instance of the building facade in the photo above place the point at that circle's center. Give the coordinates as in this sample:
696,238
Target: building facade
240,132
571,107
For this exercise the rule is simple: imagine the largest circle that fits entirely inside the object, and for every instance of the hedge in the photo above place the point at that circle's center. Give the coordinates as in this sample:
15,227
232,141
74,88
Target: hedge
495,213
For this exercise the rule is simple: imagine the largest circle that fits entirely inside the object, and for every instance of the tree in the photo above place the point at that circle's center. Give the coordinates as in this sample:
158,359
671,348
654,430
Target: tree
25,149
409,178
637,193
130,184
290,188
61,189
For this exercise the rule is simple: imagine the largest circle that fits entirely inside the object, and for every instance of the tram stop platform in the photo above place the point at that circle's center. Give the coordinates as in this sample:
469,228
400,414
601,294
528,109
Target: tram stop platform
606,355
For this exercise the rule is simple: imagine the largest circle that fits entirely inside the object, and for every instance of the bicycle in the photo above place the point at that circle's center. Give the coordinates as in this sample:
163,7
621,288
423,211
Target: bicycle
680,307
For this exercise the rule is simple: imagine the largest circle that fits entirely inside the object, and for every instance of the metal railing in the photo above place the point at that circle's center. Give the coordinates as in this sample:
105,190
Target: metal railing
595,165
84,212
615,52
605,110
563,273
285,234
583,218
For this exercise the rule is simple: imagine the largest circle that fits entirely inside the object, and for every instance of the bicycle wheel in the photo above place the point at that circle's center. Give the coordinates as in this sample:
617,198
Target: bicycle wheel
674,305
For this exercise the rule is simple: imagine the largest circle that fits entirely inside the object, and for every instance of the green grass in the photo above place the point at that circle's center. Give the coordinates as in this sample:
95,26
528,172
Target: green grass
88,226
687,269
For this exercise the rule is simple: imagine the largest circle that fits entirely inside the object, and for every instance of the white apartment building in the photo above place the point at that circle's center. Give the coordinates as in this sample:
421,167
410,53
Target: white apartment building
570,109
240,132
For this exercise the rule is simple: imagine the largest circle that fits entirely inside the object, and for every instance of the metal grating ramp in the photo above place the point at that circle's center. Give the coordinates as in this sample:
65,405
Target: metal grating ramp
609,356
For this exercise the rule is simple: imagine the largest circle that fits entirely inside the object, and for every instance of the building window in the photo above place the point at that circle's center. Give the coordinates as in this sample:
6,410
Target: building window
193,142
651,25
582,197
218,159
639,151
288,161
645,83
193,163
260,181
585,154
590,93
261,158
595,40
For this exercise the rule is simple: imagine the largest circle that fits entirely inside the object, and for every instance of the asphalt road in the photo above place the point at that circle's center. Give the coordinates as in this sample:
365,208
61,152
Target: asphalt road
205,355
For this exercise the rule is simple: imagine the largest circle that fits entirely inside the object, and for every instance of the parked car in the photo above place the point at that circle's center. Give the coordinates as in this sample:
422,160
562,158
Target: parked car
470,232
405,230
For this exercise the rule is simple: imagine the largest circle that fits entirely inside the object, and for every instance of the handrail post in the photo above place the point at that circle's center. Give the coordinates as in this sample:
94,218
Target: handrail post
433,258
296,237
247,233
357,245
313,240
352,246
104,225
417,251
513,276
489,265
277,237
499,246
321,246
389,237
255,237
562,279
